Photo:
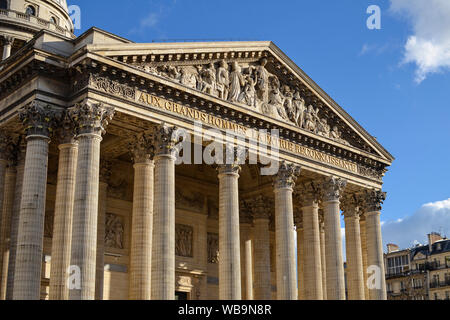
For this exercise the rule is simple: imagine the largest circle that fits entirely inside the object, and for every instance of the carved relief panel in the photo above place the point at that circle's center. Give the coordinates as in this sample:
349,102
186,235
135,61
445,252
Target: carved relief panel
184,241
213,248
114,231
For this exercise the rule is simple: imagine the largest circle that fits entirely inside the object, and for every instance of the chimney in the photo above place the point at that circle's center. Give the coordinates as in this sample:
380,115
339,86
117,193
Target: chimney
432,239
392,247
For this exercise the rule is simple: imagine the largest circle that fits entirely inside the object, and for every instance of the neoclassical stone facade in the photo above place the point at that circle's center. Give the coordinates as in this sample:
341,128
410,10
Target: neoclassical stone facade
97,204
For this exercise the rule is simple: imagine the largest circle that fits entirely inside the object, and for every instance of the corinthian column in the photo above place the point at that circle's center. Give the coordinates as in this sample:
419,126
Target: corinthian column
377,280
362,225
105,175
311,240
284,232
355,276
323,259
142,153
8,203
229,244
38,119
15,217
91,119
261,249
62,224
163,258
245,220
298,220
5,142
333,241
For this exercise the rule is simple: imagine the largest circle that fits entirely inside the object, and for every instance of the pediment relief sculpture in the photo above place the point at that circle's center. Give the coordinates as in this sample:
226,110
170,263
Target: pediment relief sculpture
253,86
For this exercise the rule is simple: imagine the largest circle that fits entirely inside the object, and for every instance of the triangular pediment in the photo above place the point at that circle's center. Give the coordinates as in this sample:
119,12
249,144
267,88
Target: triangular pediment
254,75
419,256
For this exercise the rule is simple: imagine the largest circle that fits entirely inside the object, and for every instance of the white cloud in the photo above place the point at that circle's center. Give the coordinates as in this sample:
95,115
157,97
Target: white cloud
414,229
429,46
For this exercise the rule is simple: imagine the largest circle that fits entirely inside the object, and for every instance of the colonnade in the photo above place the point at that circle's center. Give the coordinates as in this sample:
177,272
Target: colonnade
244,264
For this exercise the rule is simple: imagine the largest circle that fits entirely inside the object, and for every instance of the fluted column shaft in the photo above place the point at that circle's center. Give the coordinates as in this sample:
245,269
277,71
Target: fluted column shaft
375,254
246,261
100,259
5,230
229,238
62,224
85,216
301,263
3,166
284,232
91,119
323,260
355,276
15,218
27,278
142,230
333,240
313,261
362,224
333,251
261,246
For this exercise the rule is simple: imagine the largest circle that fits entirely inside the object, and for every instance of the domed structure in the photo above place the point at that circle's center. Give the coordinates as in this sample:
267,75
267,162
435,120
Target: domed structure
20,20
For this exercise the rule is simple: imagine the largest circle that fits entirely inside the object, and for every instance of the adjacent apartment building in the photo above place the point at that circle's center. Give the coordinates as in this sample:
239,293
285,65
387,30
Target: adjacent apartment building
419,273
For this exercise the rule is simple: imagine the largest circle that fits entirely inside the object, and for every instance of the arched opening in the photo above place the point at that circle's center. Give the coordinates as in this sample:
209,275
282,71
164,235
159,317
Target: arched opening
4,4
31,11
53,20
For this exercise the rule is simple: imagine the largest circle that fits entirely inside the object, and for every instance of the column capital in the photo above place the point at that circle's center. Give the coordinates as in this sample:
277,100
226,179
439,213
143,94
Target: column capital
298,217
260,207
373,200
91,117
333,187
66,131
350,205
6,146
39,118
228,169
7,40
309,193
166,138
287,175
142,148
245,212
105,171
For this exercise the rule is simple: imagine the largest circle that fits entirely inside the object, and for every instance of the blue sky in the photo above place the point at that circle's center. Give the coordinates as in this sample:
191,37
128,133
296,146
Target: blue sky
373,74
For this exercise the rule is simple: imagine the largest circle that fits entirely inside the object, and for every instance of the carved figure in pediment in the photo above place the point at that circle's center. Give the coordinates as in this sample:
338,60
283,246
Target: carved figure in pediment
288,102
248,96
299,110
208,77
277,100
311,119
236,83
336,135
173,72
151,69
262,81
323,128
189,77
223,80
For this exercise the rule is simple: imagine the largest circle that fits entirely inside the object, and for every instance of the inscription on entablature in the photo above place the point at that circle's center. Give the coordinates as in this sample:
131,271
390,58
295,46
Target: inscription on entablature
143,98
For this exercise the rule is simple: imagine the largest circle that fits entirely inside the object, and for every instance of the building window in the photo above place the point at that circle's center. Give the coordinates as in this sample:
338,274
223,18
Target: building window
3,4
53,20
31,11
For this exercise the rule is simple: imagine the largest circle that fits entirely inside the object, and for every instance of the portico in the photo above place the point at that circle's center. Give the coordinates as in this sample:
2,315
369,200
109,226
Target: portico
157,226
